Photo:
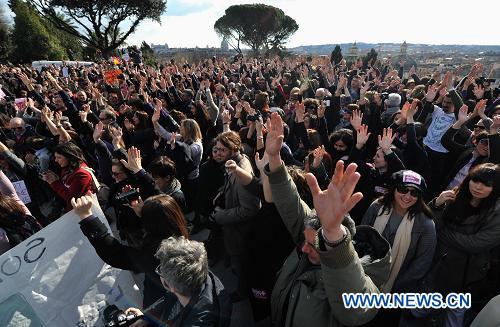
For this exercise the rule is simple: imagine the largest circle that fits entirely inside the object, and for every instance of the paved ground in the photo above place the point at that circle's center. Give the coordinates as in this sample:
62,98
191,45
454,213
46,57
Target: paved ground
242,311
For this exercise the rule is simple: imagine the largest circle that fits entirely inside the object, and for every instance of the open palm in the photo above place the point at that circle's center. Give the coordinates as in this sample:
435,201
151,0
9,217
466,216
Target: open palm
333,204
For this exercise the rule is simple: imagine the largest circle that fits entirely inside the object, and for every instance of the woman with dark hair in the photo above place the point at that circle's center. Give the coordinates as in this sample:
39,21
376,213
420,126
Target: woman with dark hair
404,220
139,132
75,178
161,217
468,234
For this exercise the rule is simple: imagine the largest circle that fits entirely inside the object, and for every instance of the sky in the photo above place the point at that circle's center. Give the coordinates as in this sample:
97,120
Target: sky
189,23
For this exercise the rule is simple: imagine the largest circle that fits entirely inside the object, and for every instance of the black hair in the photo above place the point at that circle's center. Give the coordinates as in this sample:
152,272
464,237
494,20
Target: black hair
487,174
420,206
72,152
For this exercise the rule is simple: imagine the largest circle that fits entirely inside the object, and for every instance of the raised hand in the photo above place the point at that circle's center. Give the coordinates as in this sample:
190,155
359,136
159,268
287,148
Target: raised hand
156,115
356,119
321,110
98,131
362,137
463,115
318,154
480,107
385,140
134,161
261,163
128,125
299,112
333,204
431,93
82,206
226,117
275,135
478,91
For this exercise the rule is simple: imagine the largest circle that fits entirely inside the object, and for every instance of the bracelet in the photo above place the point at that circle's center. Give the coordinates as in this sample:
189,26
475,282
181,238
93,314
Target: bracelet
330,243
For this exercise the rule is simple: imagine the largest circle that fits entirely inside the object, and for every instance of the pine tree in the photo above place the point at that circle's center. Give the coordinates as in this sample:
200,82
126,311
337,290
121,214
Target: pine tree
30,38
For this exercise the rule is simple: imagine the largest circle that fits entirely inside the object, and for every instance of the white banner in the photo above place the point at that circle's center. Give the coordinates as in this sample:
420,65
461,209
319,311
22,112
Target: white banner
55,278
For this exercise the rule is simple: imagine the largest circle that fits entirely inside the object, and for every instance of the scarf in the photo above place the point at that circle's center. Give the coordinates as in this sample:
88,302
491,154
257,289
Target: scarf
399,248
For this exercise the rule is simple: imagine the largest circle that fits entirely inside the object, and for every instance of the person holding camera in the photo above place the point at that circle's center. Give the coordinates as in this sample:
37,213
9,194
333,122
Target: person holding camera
195,297
161,217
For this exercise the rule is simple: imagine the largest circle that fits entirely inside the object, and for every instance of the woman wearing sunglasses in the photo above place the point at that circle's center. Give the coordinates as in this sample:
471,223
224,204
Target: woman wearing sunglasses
404,220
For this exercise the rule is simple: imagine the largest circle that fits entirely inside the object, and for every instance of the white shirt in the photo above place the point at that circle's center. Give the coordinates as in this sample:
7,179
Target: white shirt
441,121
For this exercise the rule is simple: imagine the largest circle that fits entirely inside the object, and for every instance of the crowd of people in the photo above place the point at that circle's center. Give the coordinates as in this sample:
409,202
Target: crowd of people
314,179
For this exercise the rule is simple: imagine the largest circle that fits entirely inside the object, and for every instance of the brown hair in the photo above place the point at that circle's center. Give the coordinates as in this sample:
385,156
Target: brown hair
162,217
9,207
230,140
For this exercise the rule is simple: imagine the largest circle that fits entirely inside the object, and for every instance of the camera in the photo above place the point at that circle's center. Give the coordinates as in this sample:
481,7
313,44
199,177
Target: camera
128,197
116,317
253,117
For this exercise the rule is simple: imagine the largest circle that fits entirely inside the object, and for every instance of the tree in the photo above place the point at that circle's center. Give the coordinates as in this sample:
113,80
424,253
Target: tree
259,26
148,55
99,24
30,38
370,58
72,45
336,55
5,45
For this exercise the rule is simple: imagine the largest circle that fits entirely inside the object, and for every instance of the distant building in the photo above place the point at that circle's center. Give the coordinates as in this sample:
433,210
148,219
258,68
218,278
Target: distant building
352,54
403,50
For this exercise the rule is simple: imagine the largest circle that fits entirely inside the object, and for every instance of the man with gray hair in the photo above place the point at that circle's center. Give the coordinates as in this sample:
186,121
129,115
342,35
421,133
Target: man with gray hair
392,104
195,295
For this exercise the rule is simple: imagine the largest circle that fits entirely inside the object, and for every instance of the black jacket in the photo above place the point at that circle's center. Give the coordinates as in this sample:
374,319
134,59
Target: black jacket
114,253
211,307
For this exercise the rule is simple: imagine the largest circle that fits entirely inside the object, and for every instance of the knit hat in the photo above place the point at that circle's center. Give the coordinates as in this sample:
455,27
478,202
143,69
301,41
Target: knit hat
394,100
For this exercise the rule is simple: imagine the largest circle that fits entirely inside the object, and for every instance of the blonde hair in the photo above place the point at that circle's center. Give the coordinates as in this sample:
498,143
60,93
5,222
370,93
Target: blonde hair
192,132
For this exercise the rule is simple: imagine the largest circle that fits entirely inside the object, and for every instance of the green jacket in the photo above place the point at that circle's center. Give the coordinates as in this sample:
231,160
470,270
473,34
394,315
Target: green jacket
311,295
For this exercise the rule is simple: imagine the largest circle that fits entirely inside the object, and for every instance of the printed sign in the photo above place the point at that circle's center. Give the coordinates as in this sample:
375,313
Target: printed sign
22,191
55,278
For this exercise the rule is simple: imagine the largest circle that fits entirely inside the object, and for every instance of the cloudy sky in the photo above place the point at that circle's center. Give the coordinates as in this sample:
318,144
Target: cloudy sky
189,23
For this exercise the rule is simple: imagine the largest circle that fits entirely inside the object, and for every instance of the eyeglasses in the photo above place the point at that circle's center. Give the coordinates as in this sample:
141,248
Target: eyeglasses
215,149
479,127
19,128
162,278
158,270
117,173
405,189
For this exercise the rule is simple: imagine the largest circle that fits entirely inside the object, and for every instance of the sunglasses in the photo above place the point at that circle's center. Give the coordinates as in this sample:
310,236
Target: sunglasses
405,189
479,127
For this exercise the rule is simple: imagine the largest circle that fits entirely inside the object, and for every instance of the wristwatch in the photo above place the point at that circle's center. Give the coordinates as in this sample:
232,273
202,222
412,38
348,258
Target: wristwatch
322,242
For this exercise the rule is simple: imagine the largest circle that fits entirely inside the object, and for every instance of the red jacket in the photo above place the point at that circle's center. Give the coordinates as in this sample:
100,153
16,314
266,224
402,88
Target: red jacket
73,185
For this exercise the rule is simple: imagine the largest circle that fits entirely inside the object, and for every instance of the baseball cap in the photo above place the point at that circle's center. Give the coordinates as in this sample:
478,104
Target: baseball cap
410,178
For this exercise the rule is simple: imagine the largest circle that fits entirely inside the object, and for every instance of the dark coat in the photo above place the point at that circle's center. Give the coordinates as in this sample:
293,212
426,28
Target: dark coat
211,307
118,255
466,258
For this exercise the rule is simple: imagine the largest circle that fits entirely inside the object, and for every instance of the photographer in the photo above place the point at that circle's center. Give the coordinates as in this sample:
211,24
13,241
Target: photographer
195,297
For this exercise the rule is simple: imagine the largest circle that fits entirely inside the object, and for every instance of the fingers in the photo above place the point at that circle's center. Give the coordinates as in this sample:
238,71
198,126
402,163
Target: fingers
338,174
313,184
73,203
353,200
